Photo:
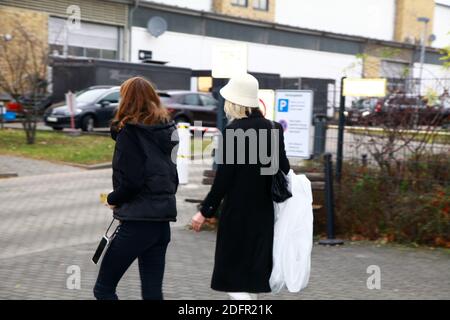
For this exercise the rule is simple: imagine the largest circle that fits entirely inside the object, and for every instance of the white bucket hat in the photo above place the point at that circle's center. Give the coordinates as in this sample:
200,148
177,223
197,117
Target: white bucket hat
242,90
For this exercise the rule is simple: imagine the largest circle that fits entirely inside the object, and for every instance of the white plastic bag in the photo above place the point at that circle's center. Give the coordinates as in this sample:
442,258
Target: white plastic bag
293,237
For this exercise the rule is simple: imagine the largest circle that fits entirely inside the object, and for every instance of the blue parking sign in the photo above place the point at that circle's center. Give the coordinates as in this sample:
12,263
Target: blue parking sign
283,105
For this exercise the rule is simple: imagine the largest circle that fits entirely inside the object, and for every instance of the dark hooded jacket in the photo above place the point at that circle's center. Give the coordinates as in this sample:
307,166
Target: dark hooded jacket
145,177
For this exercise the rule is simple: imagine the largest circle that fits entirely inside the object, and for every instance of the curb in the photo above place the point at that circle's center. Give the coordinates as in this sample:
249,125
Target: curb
99,166
108,165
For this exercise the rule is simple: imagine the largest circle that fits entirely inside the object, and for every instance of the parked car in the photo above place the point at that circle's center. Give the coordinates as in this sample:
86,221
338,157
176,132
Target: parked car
414,111
396,109
40,102
188,106
95,108
364,111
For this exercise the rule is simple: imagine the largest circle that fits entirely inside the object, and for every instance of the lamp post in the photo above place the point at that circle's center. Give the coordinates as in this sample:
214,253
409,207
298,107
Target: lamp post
130,27
425,21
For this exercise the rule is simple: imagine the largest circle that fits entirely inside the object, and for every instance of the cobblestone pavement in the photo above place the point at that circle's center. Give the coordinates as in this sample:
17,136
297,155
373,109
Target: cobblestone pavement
52,221
30,167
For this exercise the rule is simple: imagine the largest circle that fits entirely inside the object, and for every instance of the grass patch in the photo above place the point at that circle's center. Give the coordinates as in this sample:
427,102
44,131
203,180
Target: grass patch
58,147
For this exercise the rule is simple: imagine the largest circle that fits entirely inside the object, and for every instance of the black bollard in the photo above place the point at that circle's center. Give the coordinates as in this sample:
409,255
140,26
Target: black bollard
320,134
329,203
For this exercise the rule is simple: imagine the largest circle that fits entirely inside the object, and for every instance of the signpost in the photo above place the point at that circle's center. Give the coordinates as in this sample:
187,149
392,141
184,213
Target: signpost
72,105
293,110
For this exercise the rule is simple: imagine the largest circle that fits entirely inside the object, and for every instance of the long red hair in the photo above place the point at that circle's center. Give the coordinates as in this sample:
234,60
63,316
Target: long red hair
139,103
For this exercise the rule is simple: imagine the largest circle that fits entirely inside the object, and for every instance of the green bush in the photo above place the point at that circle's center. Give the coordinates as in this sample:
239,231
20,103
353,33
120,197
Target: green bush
408,204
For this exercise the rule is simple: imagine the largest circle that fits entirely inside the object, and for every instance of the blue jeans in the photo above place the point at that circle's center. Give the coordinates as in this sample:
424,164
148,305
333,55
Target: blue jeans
146,241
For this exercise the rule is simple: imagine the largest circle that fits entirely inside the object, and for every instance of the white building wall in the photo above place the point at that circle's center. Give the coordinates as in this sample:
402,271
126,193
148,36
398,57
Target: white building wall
193,51
441,25
202,5
435,78
367,18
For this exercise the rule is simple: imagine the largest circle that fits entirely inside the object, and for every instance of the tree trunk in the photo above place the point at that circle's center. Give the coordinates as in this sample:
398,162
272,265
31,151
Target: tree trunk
29,125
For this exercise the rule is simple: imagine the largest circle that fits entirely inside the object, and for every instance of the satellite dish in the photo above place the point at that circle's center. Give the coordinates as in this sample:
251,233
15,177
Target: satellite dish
156,26
432,37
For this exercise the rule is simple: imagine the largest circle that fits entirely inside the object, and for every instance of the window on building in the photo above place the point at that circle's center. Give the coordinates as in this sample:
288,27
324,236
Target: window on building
92,53
261,4
109,54
76,51
241,3
56,49
91,40
394,69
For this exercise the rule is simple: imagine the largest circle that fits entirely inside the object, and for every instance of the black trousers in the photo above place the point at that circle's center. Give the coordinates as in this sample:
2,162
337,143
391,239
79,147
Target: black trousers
146,241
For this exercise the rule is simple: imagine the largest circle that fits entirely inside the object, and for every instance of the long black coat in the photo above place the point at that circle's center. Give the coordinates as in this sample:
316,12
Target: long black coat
243,260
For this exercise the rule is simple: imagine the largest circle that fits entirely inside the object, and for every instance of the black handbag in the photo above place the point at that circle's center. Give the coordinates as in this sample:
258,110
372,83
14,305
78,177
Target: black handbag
280,185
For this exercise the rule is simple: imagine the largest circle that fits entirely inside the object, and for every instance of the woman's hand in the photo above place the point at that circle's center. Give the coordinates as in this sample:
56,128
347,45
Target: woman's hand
109,205
197,221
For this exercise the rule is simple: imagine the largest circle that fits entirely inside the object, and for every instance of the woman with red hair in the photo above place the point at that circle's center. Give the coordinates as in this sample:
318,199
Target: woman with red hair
145,181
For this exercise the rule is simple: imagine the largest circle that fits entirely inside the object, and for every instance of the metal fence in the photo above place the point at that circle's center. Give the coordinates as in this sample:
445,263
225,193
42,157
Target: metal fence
403,126
395,154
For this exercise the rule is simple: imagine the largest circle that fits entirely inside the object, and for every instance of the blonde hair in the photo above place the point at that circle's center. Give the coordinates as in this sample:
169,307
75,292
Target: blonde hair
236,111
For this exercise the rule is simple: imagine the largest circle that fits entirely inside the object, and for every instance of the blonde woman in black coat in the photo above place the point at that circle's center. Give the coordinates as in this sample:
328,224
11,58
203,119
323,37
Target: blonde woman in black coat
243,259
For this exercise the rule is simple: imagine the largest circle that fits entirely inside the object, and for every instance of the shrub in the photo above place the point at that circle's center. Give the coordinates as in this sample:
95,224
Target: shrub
408,204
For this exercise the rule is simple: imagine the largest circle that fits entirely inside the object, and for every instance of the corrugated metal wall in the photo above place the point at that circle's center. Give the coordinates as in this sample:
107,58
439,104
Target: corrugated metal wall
91,10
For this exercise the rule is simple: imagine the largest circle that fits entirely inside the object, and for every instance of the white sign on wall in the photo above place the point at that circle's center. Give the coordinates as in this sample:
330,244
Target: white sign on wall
229,60
293,110
267,103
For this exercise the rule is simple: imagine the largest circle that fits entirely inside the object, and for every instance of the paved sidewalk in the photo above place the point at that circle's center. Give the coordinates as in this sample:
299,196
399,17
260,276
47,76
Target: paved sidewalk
52,221
337,273
31,167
